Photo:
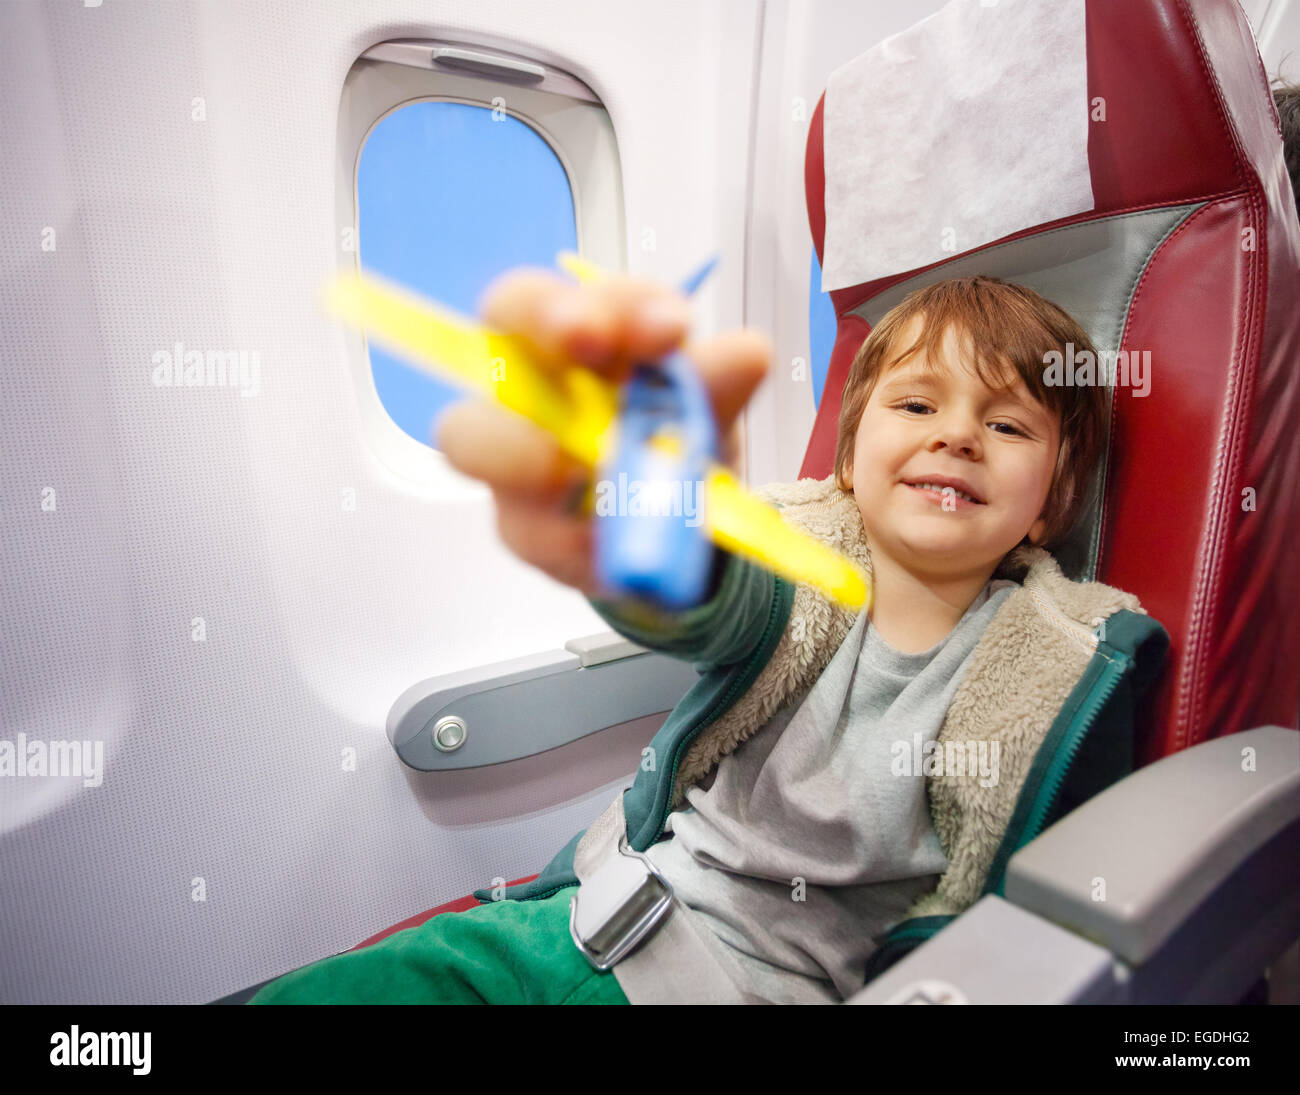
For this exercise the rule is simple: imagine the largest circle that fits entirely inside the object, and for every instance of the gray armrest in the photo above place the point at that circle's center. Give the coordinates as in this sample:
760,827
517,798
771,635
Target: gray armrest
995,953
1131,865
1179,884
516,708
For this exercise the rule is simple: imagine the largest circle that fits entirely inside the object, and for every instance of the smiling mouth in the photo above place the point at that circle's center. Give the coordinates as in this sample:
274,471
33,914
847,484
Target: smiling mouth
964,501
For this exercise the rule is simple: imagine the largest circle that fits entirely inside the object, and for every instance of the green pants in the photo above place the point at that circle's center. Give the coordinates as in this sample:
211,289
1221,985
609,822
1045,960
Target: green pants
505,952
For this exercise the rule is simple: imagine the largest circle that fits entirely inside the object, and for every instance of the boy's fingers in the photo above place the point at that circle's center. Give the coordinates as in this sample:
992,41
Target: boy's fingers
605,326
505,450
539,307
556,543
731,448
732,366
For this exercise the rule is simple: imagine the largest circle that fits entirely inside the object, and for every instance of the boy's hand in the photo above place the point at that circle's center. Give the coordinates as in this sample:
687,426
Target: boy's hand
606,327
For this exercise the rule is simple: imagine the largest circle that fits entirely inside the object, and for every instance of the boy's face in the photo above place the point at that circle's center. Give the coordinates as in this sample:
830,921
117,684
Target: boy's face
916,428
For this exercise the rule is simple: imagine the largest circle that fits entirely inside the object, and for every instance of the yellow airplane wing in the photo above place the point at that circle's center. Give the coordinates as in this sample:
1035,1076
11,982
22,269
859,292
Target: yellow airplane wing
578,408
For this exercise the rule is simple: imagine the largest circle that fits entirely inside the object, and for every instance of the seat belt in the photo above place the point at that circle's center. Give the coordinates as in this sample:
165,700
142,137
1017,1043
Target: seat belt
626,918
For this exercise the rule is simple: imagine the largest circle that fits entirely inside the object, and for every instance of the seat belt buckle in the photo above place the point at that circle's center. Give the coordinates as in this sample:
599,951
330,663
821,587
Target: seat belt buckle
621,904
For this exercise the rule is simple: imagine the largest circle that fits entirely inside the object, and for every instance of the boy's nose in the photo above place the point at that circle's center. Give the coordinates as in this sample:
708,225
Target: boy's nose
958,436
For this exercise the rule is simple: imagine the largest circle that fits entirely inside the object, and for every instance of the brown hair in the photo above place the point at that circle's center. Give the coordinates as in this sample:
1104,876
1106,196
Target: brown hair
1287,100
1005,323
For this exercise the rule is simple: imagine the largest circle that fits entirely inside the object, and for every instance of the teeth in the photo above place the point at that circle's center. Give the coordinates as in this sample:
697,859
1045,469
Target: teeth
941,489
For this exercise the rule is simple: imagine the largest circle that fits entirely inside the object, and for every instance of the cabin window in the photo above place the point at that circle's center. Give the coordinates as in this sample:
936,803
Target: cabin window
821,329
456,164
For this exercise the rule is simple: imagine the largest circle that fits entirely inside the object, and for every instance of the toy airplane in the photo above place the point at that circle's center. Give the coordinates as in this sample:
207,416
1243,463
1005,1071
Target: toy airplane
581,411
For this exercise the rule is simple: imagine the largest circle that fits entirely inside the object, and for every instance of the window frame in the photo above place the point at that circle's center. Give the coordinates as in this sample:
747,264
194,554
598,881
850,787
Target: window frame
564,113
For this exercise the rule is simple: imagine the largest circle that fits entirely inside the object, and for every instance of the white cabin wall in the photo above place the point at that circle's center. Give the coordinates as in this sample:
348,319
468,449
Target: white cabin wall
225,757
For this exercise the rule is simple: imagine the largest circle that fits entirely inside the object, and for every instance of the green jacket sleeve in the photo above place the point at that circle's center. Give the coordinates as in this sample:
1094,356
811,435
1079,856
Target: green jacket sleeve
721,631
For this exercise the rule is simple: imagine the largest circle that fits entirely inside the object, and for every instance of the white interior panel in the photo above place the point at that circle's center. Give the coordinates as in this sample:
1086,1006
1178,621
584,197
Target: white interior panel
232,838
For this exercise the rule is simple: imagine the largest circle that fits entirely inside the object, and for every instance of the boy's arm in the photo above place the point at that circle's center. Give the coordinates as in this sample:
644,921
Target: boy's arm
721,631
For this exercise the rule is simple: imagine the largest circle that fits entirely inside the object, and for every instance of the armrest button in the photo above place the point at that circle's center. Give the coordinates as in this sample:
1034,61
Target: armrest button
449,733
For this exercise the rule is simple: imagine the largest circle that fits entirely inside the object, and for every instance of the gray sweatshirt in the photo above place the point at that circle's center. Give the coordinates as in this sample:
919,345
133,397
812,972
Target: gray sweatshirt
814,835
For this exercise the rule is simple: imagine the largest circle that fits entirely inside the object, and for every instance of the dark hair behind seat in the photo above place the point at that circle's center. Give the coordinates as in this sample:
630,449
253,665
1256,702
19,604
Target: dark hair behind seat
1287,100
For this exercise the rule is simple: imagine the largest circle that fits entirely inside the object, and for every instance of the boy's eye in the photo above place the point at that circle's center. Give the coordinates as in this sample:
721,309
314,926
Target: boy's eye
910,403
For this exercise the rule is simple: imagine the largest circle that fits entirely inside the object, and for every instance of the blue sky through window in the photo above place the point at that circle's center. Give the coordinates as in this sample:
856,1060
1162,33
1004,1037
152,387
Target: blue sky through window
821,329
448,199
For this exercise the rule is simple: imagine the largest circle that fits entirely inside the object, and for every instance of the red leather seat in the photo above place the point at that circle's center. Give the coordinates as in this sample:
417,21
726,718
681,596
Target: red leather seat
469,901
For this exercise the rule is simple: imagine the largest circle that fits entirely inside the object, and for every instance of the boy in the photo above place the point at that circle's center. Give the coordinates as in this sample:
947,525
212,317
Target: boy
950,469
792,856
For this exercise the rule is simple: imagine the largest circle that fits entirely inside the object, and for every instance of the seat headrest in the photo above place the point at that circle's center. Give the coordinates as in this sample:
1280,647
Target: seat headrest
964,129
